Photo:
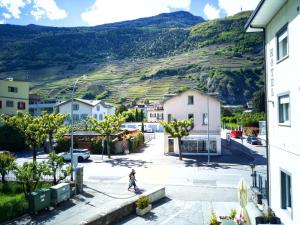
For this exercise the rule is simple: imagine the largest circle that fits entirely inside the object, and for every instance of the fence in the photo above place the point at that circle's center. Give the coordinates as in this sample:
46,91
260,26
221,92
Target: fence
259,181
45,178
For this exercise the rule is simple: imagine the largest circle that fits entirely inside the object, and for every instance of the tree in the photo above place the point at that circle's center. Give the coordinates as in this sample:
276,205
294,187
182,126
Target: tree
110,125
142,119
30,175
7,163
51,124
30,127
120,109
136,115
55,164
178,129
258,101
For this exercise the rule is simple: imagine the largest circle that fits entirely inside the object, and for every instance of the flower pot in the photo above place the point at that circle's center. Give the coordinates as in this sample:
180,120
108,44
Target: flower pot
141,212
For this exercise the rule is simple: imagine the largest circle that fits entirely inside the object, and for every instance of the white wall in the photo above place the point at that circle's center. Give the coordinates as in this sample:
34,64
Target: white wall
102,111
83,109
284,140
179,108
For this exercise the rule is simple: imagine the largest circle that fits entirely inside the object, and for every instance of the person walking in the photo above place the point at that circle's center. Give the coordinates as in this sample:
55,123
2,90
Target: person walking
132,180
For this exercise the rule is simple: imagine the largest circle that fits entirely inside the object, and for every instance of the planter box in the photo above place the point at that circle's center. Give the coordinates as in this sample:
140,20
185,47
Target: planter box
141,212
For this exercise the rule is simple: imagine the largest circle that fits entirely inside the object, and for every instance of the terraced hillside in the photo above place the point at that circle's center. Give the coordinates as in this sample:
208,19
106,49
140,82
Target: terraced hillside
212,56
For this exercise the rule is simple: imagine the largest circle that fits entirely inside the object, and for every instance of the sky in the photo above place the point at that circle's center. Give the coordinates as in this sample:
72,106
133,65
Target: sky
71,13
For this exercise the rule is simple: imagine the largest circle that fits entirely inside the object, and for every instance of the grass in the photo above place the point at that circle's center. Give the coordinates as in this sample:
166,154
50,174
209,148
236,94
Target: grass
13,202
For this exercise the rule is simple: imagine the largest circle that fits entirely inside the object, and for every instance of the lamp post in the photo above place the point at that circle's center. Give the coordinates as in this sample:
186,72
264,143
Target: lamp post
72,123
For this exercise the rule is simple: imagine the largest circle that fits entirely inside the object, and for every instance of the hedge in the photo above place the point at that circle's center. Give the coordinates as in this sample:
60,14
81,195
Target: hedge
136,142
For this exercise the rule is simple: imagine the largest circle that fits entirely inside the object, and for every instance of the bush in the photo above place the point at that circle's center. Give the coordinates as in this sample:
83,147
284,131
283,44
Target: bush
12,206
96,147
213,219
136,142
142,202
62,146
11,139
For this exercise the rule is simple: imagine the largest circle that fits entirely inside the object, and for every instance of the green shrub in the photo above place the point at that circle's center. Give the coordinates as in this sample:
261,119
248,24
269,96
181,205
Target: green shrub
62,146
232,214
96,147
12,206
213,219
136,142
142,202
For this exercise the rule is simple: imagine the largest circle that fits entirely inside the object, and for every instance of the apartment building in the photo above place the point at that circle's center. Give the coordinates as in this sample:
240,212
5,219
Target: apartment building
205,111
14,96
280,22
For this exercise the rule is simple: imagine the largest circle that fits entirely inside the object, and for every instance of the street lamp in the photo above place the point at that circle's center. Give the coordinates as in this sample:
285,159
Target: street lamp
72,122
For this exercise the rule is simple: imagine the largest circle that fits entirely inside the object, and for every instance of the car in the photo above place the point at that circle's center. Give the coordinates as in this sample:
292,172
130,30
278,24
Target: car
82,154
253,140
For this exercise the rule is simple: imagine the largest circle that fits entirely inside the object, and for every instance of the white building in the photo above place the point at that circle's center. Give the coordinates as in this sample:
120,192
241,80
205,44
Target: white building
196,105
155,113
281,22
97,109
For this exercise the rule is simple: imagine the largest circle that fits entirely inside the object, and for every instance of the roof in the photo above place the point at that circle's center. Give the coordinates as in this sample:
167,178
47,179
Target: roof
263,14
191,89
88,102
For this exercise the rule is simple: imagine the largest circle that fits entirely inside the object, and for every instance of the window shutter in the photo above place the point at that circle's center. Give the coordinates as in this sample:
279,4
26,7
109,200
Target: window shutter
283,190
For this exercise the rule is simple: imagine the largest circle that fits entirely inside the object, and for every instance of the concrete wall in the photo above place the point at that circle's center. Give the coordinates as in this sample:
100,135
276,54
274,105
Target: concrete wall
22,95
284,77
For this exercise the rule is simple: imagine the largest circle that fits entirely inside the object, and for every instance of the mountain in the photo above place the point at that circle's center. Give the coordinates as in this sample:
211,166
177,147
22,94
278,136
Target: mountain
143,58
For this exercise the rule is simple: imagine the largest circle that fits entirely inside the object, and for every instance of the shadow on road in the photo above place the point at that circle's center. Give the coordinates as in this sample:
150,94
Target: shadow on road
126,162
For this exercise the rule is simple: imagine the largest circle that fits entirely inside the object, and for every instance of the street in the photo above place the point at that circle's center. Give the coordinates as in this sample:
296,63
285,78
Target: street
193,188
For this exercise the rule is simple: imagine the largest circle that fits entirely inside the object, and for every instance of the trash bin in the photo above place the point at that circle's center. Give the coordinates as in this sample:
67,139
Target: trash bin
39,200
59,193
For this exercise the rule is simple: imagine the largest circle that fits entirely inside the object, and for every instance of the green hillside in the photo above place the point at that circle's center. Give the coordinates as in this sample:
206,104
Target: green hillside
142,59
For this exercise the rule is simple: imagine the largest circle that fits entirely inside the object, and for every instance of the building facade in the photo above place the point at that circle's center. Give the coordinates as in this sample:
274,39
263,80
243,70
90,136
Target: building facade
14,96
280,20
37,105
155,113
97,109
206,114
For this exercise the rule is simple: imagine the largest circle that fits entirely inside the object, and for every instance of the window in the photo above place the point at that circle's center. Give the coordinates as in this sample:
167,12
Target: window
286,191
9,104
284,109
100,117
0,104
21,105
98,107
83,116
12,89
169,118
190,100
282,43
75,117
95,116
204,119
191,116
75,107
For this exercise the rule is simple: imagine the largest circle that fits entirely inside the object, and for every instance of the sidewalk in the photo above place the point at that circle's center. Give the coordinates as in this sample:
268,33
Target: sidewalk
96,200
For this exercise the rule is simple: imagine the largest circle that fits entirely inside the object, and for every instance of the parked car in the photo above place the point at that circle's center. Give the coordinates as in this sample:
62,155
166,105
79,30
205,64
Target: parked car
82,154
253,140
236,133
